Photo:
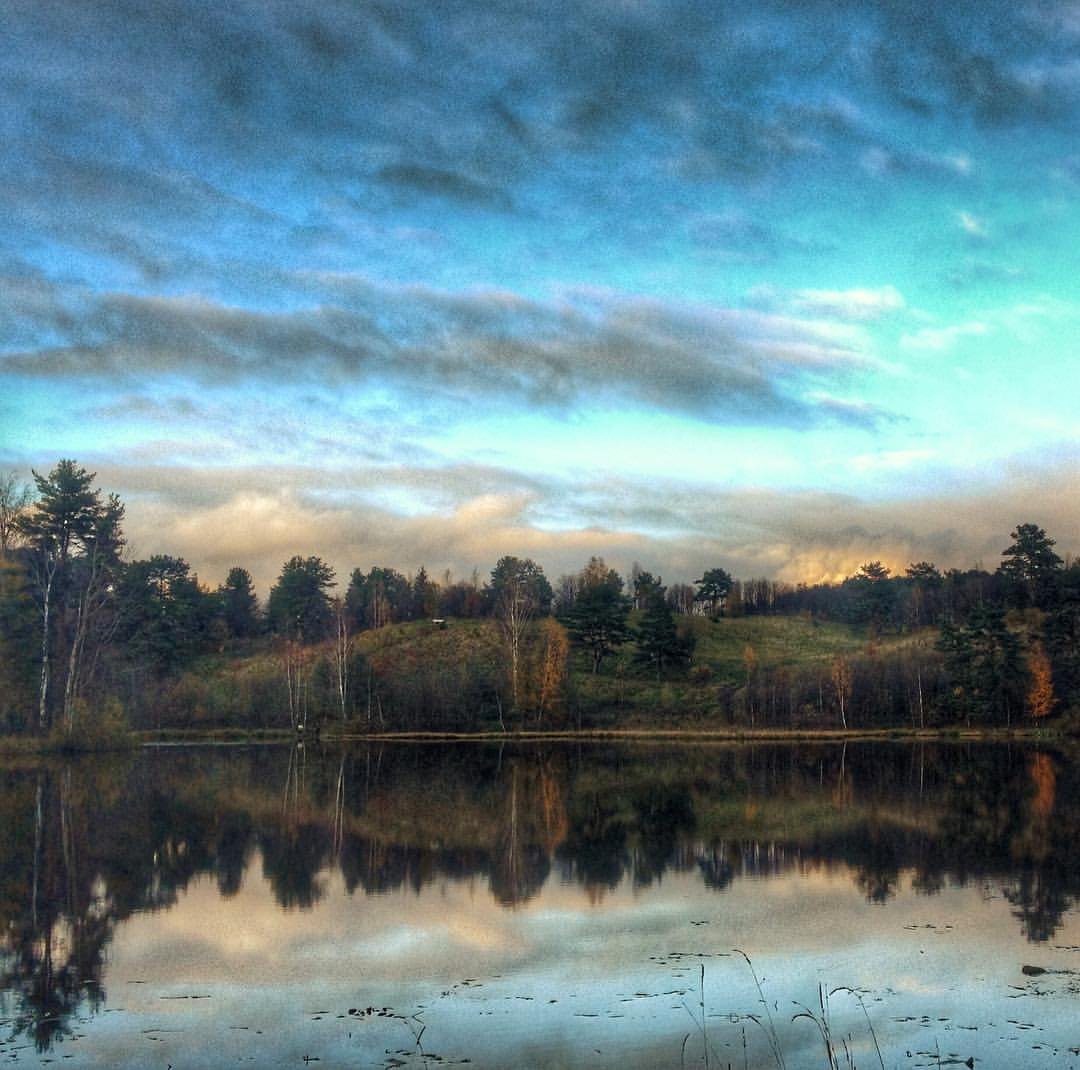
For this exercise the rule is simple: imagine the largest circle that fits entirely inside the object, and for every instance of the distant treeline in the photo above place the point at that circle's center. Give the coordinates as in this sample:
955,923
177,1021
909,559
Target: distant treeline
89,640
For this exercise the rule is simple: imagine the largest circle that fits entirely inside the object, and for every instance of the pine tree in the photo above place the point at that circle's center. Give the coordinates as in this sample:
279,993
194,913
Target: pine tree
659,644
239,607
1031,565
299,606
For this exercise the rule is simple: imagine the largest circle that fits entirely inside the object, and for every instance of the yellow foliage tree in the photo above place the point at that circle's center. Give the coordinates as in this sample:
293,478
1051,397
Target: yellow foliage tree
554,654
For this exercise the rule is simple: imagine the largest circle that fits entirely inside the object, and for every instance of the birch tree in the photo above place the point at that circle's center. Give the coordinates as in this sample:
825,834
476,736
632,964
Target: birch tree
519,592
74,540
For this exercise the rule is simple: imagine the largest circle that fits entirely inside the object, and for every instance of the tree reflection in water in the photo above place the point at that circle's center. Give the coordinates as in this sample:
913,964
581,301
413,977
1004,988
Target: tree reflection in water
83,845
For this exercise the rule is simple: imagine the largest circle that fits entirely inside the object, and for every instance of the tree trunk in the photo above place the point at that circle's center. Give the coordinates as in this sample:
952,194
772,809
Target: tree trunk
341,655
71,687
43,692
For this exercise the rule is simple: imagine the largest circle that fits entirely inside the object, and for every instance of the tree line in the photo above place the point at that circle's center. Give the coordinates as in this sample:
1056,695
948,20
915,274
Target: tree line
84,630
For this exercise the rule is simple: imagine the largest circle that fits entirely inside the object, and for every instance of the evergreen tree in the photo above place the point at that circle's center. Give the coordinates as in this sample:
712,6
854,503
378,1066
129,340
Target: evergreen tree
425,596
713,588
658,640
1031,566
597,619
299,606
239,606
874,597
644,585
983,660
164,615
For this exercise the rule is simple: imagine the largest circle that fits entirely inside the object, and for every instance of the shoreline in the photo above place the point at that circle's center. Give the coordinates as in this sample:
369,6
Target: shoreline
22,746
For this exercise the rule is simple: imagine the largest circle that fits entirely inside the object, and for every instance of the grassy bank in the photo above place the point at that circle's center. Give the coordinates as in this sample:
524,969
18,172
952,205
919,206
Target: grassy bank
751,678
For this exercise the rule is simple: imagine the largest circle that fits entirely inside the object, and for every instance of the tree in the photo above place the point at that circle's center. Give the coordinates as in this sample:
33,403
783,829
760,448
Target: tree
165,615
982,658
74,540
342,655
1031,565
874,596
597,618
658,640
239,606
18,647
1040,696
1061,631
425,596
461,598
554,651
381,597
519,591
299,606
842,676
713,588
925,581
15,499
680,597
645,584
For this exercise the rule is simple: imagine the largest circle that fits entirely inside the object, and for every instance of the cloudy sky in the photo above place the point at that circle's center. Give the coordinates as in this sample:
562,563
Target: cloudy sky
781,287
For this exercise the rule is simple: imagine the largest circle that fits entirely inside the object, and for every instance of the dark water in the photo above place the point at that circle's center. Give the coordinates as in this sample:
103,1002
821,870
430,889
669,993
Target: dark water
407,905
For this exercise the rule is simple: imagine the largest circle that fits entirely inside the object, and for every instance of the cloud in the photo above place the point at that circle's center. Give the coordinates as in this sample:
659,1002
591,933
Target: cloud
852,412
443,183
587,350
194,112
968,59
942,339
972,225
465,516
858,304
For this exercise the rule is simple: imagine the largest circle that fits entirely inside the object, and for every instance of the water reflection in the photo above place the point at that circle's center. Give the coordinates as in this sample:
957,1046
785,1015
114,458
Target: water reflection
85,845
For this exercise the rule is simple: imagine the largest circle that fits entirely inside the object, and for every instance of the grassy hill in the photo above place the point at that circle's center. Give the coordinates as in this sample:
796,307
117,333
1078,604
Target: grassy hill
418,676
771,654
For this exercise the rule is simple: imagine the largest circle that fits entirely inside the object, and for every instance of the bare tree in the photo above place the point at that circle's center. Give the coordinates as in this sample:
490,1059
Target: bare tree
519,592
15,499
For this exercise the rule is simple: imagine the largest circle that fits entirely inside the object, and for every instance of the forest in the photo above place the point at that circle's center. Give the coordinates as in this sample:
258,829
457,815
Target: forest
94,644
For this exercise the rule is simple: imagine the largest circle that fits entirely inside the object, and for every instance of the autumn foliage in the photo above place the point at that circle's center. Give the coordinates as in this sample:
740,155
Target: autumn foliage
1040,697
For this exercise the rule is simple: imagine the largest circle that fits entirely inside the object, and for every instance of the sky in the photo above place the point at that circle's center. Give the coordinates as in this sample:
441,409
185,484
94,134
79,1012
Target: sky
775,287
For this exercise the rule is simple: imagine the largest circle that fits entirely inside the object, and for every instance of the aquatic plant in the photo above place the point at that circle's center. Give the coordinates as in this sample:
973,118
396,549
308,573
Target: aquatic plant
839,1053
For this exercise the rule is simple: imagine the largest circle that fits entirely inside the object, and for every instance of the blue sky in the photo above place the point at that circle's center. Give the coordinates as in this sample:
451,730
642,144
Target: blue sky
782,287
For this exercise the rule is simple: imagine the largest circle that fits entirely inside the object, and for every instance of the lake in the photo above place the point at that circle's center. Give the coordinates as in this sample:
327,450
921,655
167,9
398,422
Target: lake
572,905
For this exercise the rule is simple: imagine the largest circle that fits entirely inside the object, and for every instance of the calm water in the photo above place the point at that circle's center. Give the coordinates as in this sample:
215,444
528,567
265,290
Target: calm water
569,906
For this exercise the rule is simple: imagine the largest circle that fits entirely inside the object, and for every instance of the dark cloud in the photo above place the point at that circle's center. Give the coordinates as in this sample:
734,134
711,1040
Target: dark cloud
589,351
855,413
962,56
124,124
442,183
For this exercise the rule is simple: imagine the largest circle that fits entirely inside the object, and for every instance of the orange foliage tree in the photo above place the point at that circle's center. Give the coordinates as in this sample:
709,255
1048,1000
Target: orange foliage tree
1040,696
